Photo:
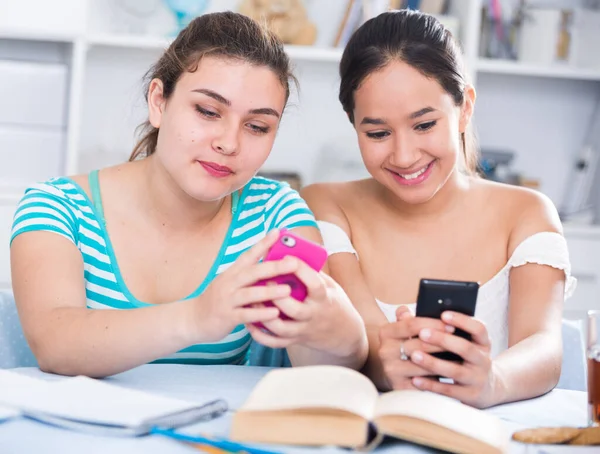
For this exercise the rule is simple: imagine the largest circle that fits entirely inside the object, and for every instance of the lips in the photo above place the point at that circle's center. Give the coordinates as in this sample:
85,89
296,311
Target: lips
413,178
216,170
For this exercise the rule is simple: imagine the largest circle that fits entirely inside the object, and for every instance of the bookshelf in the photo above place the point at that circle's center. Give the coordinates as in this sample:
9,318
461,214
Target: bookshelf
103,103
515,68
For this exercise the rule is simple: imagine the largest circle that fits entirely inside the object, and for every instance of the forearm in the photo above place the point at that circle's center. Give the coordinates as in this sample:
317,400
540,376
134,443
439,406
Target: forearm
98,343
527,369
373,367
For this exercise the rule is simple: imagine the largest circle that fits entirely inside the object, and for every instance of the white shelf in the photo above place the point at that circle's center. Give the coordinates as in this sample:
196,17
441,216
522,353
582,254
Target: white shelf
35,35
128,41
560,71
308,53
321,54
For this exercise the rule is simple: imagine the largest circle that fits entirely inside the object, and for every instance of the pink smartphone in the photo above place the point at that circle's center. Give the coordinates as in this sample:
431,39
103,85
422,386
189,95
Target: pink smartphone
313,254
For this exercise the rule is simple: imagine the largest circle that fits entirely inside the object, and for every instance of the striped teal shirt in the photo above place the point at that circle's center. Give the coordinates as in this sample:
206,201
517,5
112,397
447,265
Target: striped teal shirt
60,205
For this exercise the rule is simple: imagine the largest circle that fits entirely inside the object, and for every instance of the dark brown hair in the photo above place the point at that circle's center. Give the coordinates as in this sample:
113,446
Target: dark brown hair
417,39
226,34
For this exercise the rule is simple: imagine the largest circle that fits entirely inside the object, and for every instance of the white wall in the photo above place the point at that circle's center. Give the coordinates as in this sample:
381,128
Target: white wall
543,120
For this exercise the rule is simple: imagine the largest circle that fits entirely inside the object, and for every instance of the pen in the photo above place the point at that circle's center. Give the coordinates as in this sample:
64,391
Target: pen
225,445
208,449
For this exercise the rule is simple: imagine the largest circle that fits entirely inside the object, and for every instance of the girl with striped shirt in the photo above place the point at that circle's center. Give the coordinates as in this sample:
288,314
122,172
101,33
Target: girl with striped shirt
154,260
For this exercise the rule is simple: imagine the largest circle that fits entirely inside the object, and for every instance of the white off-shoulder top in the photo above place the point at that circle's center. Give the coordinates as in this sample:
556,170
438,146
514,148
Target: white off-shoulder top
544,248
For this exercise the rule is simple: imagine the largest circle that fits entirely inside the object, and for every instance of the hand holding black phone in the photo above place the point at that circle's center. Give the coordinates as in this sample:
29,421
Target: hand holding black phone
437,296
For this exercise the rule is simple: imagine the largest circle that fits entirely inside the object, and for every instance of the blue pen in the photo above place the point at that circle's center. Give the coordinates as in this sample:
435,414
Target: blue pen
221,443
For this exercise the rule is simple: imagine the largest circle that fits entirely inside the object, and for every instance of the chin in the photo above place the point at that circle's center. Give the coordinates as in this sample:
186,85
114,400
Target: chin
414,197
203,192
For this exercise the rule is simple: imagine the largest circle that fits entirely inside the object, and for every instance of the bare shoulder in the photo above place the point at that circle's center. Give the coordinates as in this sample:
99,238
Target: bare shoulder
331,201
528,211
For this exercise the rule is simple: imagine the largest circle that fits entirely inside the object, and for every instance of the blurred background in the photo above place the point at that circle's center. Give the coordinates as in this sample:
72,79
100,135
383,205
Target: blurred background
71,95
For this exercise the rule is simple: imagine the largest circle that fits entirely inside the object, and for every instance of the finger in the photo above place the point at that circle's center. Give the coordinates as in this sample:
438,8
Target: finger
268,340
446,389
398,370
329,281
403,312
411,327
256,314
287,329
313,281
265,271
256,252
471,325
392,349
259,293
468,351
449,369
294,309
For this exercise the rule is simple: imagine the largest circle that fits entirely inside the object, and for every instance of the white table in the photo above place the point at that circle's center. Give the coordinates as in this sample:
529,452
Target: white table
234,383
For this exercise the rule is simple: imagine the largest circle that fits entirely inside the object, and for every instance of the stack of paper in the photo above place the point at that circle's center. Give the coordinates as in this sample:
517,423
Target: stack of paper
90,405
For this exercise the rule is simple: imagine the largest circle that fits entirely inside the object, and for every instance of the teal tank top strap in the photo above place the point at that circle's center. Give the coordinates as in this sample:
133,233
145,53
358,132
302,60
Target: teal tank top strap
96,197
235,200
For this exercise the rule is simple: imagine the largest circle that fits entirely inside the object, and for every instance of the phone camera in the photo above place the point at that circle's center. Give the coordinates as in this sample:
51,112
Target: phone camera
288,241
447,302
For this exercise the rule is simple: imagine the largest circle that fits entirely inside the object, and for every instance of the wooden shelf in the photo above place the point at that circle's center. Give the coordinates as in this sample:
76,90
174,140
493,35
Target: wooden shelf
558,71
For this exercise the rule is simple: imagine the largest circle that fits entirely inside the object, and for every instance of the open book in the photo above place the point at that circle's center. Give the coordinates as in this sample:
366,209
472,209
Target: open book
89,405
332,405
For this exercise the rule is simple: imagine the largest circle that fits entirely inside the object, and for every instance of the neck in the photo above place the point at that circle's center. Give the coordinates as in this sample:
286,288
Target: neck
444,202
165,202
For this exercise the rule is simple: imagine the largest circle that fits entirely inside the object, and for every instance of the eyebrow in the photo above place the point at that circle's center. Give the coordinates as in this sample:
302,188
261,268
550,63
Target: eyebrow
420,113
221,99
265,111
372,121
412,116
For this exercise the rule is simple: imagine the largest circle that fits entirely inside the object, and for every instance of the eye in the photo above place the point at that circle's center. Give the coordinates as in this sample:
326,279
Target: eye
258,129
378,135
426,126
207,113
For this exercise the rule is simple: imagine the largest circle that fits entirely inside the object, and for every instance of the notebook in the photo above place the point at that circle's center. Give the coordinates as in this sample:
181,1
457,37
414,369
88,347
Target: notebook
90,405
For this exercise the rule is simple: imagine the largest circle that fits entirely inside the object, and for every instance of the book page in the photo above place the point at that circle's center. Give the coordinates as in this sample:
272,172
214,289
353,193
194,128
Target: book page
85,399
444,411
316,387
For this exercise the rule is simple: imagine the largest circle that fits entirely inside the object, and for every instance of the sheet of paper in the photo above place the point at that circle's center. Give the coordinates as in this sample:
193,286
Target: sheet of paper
7,413
85,399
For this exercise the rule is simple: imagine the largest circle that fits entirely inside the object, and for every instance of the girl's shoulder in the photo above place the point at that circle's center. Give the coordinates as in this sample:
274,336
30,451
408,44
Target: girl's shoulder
525,211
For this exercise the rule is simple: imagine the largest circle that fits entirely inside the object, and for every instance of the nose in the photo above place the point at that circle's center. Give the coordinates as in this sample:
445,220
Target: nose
404,154
226,141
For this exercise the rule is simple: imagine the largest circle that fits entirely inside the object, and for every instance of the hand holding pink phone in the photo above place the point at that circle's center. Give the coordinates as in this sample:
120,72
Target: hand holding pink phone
313,254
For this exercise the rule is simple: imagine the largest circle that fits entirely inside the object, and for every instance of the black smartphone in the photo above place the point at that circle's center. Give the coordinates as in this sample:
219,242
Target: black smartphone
437,296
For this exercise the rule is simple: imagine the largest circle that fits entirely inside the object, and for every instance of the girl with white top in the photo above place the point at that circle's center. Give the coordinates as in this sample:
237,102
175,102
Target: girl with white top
426,214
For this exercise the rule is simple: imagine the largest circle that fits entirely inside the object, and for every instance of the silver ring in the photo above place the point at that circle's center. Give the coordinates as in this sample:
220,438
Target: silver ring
403,355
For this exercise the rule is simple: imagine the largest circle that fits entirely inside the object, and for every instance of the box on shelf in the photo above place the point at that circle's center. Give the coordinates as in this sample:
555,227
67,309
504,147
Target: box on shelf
29,155
43,17
33,94
585,36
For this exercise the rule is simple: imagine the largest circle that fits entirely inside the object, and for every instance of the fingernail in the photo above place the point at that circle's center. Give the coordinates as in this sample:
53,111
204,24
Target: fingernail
425,333
447,316
417,381
449,329
417,357
404,315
